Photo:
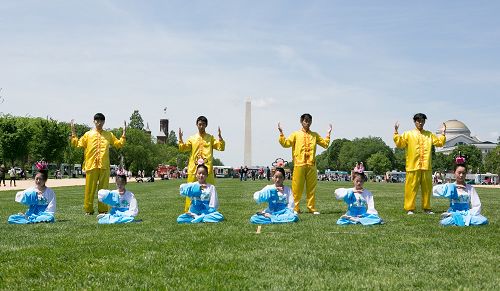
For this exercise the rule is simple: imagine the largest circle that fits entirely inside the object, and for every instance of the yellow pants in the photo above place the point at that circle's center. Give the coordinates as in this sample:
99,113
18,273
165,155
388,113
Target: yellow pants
309,176
95,180
414,179
192,178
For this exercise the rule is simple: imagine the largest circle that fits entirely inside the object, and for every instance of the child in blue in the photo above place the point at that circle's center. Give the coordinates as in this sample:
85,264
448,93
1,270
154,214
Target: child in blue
40,199
123,203
465,206
360,204
204,201
279,199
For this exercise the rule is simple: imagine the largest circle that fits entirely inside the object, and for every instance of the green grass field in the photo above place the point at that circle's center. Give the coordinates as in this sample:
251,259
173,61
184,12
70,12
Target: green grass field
406,253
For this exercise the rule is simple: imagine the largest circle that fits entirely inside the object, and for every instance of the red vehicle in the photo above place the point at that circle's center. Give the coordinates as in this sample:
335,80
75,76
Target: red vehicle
166,171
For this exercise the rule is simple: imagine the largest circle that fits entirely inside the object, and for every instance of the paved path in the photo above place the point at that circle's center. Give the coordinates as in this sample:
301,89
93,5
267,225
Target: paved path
52,183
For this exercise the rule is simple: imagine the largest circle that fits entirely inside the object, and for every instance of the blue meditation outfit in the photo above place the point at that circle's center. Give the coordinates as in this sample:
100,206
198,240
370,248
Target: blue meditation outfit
123,207
460,212
41,207
204,204
280,206
360,207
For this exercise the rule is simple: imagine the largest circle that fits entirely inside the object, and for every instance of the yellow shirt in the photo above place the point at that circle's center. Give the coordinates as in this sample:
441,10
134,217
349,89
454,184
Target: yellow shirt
201,147
304,146
96,144
418,148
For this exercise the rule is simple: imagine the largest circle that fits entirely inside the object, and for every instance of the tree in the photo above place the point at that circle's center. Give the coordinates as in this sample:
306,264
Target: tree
172,139
399,159
217,162
441,162
379,163
474,157
138,151
492,161
49,140
136,120
360,149
331,155
14,138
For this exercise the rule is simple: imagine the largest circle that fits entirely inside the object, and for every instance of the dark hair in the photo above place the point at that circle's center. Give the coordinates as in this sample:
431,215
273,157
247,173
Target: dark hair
419,116
281,170
203,119
123,177
361,175
202,166
306,115
44,173
99,116
459,165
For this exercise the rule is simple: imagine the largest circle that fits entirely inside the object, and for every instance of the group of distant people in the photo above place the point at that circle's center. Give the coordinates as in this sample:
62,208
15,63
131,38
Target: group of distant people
283,203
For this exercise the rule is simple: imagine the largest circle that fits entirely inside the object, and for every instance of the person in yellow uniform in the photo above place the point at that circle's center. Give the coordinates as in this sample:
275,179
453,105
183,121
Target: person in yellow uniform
96,143
418,144
201,146
303,143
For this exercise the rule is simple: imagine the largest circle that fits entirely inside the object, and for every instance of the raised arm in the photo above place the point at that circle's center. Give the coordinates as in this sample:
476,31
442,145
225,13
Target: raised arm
399,140
284,142
219,144
124,129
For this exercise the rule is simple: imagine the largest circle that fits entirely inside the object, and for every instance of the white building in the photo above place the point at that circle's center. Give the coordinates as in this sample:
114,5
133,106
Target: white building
457,133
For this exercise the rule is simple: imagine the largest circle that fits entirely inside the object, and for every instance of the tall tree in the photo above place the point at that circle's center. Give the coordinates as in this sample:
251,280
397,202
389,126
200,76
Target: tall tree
49,140
136,120
492,161
332,153
14,138
399,159
379,163
172,139
474,157
360,149
441,162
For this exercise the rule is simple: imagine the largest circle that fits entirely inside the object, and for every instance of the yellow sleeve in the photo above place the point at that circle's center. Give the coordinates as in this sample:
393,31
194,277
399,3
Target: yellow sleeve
185,147
323,142
400,140
287,142
438,141
79,142
117,143
219,145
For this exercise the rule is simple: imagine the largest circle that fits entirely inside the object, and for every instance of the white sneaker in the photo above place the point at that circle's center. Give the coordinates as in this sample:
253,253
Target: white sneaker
429,212
316,212
99,216
410,212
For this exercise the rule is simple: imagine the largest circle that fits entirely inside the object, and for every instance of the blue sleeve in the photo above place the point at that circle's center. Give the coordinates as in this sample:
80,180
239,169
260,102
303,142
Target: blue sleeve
448,190
111,198
190,189
265,194
29,198
349,198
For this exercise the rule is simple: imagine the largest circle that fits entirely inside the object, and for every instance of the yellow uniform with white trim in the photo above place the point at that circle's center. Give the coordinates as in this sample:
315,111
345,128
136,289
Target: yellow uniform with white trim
201,147
418,145
96,163
303,146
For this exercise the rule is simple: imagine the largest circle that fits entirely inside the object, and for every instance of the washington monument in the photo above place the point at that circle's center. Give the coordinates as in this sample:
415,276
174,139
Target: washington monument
247,158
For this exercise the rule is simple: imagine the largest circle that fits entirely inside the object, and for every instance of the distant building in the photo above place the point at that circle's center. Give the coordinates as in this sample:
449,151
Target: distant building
457,133
163,134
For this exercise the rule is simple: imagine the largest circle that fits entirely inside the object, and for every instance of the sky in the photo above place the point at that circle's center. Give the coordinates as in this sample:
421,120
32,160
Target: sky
358,65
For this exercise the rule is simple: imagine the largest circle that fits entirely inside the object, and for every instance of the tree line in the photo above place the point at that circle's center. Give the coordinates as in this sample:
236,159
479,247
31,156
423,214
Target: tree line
377,156
25,140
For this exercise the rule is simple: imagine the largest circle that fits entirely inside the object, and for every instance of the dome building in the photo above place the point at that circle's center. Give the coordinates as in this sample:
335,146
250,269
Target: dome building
457,133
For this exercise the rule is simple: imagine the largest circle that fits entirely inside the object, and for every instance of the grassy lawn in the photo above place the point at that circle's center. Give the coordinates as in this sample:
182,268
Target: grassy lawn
405,253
